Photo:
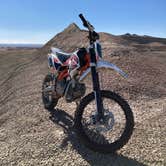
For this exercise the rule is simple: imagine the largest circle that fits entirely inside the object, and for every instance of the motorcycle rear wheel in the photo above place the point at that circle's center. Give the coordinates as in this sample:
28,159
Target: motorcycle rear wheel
100,143
49,100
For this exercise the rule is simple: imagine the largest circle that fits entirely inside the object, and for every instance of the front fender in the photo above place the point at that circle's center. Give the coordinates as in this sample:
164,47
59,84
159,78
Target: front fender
106,65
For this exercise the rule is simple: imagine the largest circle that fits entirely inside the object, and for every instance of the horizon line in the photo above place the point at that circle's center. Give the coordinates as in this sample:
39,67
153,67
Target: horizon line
43,43
22,43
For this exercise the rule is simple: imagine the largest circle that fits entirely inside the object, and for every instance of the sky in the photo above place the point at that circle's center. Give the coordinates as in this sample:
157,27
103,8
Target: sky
37,21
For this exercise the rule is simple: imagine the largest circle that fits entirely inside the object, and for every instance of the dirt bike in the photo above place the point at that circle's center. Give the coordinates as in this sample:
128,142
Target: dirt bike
103,120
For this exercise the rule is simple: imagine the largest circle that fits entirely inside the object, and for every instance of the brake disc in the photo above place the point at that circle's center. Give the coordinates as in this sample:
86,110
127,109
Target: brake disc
105,124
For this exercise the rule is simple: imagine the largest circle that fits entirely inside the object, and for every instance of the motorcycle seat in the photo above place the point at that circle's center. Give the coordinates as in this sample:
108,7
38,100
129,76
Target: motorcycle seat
62,56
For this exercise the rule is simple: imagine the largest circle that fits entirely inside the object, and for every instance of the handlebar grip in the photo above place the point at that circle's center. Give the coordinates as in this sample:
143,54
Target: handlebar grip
83,20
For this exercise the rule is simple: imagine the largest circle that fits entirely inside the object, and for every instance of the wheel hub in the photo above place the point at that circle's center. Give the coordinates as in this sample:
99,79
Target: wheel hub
48,89
105,124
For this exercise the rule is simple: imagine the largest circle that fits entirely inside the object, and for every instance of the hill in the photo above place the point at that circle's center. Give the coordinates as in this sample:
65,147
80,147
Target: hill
30,135
73,37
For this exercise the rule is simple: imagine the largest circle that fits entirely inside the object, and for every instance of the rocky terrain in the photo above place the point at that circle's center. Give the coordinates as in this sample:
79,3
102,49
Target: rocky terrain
30,135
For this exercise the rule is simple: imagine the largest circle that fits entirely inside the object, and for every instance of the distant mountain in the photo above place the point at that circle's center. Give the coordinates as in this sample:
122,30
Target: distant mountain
73,37
69,39
143,39
22,45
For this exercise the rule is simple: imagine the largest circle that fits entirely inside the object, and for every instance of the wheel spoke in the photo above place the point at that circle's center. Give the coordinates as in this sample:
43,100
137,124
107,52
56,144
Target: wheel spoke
113,123
49,98
110,133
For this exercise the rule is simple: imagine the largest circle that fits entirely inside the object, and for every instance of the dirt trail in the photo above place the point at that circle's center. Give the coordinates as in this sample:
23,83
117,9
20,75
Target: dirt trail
30,135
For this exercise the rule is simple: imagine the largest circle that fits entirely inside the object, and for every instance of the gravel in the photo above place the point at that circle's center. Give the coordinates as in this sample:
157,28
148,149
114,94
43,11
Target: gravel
30,135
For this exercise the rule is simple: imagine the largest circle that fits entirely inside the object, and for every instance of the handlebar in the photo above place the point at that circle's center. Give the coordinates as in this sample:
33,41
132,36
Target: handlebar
83,20
93,36
86,23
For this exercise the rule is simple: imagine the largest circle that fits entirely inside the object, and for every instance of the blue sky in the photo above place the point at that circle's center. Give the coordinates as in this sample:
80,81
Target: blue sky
37,21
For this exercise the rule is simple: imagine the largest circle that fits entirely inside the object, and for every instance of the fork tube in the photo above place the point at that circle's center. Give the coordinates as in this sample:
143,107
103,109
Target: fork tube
96,85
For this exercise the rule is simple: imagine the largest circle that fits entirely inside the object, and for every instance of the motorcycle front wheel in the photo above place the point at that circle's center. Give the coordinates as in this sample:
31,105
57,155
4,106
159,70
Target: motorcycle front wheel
113,131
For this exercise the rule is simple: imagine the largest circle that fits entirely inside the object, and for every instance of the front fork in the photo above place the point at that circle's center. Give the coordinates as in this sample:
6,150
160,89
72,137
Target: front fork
96,85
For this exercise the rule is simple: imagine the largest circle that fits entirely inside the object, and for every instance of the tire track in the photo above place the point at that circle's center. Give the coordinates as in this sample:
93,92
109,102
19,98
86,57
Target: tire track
14,73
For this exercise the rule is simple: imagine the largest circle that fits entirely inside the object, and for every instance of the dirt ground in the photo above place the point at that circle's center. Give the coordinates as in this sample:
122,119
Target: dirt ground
30,135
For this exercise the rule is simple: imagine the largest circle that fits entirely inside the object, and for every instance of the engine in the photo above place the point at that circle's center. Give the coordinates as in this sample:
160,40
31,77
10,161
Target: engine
74,90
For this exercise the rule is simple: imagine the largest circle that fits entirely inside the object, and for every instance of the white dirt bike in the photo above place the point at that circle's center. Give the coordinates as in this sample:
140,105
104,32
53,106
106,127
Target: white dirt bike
103,120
